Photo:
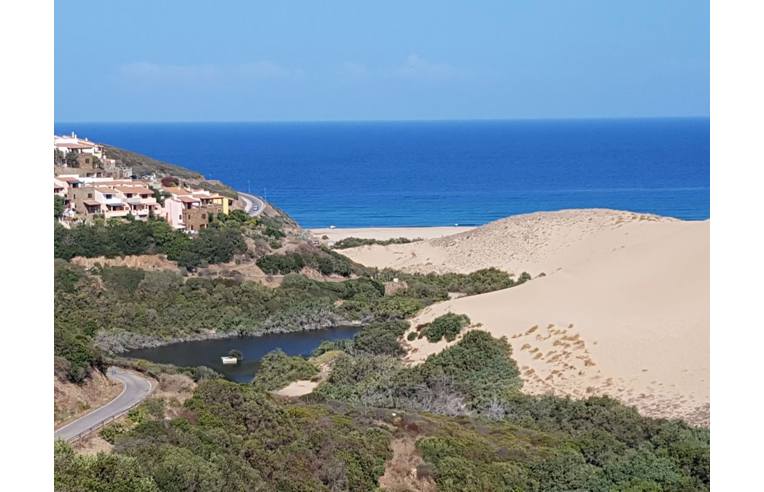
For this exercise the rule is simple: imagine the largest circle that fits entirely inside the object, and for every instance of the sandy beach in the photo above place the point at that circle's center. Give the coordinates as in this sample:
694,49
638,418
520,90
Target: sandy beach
621,310
382,233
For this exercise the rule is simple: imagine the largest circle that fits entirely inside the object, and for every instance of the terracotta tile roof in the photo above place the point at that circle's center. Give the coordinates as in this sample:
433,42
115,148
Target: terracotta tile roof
91,203
175,190
134,189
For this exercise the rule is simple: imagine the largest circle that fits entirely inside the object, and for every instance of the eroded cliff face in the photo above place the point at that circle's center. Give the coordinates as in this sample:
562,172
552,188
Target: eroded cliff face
72,400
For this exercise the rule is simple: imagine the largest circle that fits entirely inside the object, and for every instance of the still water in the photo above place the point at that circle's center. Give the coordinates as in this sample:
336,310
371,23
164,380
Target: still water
208,352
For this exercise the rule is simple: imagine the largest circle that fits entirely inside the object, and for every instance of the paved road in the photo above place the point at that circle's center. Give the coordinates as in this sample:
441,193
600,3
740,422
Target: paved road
255,205
136,388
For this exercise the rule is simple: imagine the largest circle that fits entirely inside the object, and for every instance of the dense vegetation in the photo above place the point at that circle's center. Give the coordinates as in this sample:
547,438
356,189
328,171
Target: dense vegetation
461,380
439,285
58,206
446,326
325,261
513,441
215,244
125,308
236,438
473,430
353,242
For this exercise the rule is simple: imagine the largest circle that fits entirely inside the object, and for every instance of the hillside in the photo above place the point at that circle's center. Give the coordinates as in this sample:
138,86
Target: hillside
143,165
460,419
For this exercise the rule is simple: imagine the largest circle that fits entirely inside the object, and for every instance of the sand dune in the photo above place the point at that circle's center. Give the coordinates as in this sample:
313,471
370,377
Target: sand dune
537,243
623,309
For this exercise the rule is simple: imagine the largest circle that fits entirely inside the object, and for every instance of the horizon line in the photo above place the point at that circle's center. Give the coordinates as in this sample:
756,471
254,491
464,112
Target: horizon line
432,120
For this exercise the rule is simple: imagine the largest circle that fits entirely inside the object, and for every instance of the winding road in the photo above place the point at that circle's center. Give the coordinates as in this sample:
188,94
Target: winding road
255,205
136,389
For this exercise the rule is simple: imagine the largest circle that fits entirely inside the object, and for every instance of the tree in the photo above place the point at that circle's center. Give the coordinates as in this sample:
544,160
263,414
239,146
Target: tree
58,207
71,159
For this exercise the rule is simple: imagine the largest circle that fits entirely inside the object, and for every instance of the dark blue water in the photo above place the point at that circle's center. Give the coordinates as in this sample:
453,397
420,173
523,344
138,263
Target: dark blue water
439,173
208,352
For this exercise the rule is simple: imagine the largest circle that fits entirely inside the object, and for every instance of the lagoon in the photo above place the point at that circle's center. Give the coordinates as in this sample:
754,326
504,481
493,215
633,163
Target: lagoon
208,352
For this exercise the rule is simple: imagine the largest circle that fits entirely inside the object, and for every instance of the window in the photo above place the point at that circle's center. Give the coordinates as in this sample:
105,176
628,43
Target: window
90,195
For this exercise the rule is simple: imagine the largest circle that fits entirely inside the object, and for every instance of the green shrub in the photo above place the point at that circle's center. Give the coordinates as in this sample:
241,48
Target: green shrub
353,242
112,431
281,264
380,338
58,206
397,307
122,279
114,472
446,326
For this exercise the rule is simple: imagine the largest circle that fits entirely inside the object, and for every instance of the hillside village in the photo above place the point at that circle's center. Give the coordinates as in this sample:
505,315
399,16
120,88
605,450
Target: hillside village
90,185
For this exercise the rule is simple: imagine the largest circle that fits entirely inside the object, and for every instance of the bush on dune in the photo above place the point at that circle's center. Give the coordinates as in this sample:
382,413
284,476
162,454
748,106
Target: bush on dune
446,326
381,338
353,242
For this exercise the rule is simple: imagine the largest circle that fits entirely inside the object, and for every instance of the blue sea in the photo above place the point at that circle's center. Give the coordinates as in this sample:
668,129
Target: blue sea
356,174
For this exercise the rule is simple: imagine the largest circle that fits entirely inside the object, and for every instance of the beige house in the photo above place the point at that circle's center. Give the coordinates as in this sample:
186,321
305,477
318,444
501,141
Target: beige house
111,198
191,210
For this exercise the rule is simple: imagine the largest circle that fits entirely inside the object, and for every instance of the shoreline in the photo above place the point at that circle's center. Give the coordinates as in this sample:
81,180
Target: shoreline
332,235
382,233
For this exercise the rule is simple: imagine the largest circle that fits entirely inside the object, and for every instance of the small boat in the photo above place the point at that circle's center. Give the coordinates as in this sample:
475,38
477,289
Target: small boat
228,360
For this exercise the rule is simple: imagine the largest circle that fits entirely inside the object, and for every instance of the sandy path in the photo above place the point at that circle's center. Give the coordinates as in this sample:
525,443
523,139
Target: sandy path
303,387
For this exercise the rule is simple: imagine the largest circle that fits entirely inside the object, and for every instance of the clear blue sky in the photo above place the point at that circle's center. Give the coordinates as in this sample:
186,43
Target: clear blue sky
143,60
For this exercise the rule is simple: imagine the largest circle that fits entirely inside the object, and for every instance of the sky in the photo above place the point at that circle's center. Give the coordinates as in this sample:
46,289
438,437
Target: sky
150,61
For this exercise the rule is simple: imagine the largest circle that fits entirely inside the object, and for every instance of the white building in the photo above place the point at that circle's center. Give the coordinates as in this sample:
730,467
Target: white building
72,143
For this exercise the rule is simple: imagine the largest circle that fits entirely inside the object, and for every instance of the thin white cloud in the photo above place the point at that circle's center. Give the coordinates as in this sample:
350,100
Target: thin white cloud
157,74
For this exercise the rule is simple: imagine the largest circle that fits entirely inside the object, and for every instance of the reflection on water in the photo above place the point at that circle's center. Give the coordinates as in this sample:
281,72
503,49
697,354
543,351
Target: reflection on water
208,352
